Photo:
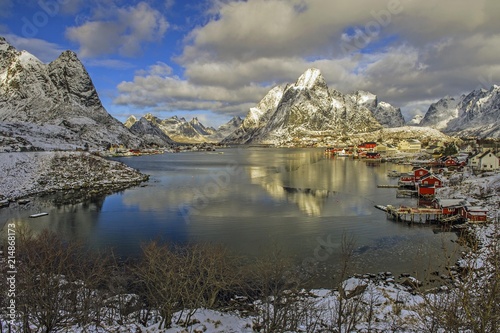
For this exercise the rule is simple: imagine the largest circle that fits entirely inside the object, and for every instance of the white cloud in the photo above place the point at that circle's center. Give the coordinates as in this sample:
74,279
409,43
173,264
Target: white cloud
407,52
42,49
124,30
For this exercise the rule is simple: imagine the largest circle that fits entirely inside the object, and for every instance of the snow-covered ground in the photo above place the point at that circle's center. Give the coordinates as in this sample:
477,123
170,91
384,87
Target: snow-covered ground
29,173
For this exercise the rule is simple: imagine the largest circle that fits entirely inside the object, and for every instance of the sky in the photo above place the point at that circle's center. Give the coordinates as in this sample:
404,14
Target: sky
214,59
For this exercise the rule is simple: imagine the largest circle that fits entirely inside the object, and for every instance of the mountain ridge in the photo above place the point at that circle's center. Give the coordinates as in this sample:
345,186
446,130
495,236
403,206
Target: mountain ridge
307,108
60,94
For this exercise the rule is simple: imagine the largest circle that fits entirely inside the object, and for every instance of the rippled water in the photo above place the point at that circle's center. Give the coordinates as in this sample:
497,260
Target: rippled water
253,200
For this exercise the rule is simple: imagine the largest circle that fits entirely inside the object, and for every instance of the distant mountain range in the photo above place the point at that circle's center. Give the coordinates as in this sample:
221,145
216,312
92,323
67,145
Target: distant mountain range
56,106
181,130
476,114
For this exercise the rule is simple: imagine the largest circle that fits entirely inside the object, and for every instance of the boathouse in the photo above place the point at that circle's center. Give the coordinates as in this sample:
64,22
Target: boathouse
474,213
426,191
372,156
450,206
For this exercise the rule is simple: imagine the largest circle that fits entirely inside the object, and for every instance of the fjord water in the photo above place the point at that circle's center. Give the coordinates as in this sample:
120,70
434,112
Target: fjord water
254,200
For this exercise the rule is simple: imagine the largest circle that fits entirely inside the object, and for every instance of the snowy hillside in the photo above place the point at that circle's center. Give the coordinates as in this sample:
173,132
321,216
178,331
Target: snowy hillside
309,108
386,114
57,94
32,173
474,114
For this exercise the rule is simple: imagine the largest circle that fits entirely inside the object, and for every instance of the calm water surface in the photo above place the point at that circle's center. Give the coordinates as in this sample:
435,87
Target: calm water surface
253,200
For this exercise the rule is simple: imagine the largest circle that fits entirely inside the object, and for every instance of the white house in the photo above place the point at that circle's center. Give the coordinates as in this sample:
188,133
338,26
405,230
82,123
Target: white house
486,161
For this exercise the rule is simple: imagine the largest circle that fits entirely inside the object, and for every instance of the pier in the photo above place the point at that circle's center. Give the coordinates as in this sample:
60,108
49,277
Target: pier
418,215
406,193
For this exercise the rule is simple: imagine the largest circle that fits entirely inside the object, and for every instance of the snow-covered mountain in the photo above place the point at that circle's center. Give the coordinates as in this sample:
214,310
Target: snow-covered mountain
474,114
440,113
180,130
150,133
59,94
386,114
308,108
229,127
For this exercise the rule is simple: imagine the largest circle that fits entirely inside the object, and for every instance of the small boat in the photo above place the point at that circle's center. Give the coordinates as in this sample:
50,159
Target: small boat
384,208
4,203
38,215
393,173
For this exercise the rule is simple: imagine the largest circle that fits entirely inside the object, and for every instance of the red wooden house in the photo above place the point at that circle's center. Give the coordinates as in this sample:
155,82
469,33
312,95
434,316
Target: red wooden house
426,190
372,156
419,172
451,162
474,213
430,179
450,206
368,145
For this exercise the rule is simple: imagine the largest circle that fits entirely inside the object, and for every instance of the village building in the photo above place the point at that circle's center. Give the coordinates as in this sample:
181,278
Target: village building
410,146
474,214
486,161
419,172
386,149
431,179
372,156
426,191
450,206
370,146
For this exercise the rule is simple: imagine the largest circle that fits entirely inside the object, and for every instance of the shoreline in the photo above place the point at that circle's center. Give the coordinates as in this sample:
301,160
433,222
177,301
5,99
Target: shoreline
26,174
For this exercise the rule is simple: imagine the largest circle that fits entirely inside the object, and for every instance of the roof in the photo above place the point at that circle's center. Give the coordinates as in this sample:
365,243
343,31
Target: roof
452,202
429,175
476,209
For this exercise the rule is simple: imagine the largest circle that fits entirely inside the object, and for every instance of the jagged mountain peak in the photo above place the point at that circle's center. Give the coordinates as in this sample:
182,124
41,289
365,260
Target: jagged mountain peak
309,79
301,111
130,121
59,94
472,114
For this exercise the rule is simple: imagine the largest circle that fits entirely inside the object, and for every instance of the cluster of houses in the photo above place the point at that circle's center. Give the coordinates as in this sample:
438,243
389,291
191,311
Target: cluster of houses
423,182
479,158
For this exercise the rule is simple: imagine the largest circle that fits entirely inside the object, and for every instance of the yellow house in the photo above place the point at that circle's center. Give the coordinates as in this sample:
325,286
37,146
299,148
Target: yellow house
410,146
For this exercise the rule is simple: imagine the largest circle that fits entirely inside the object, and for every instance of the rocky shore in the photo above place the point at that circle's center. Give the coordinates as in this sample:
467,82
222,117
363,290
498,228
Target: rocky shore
36,173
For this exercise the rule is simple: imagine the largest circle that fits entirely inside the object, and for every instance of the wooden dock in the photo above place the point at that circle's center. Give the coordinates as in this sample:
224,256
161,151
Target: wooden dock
387,186
406,193
416,215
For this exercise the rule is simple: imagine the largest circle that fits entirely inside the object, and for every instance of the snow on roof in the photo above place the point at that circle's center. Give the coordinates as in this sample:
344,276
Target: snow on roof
452,202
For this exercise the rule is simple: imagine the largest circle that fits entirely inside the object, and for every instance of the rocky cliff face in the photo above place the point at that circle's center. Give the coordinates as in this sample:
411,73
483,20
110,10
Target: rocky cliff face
306,109
60,94
387,115
474,114
440,113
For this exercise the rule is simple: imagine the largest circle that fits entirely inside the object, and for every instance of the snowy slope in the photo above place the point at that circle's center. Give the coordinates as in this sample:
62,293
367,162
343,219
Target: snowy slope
386,114
59,94
474,114
30,173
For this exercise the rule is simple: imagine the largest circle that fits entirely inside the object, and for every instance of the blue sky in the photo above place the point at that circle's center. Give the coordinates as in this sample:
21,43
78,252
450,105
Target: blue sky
217,58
